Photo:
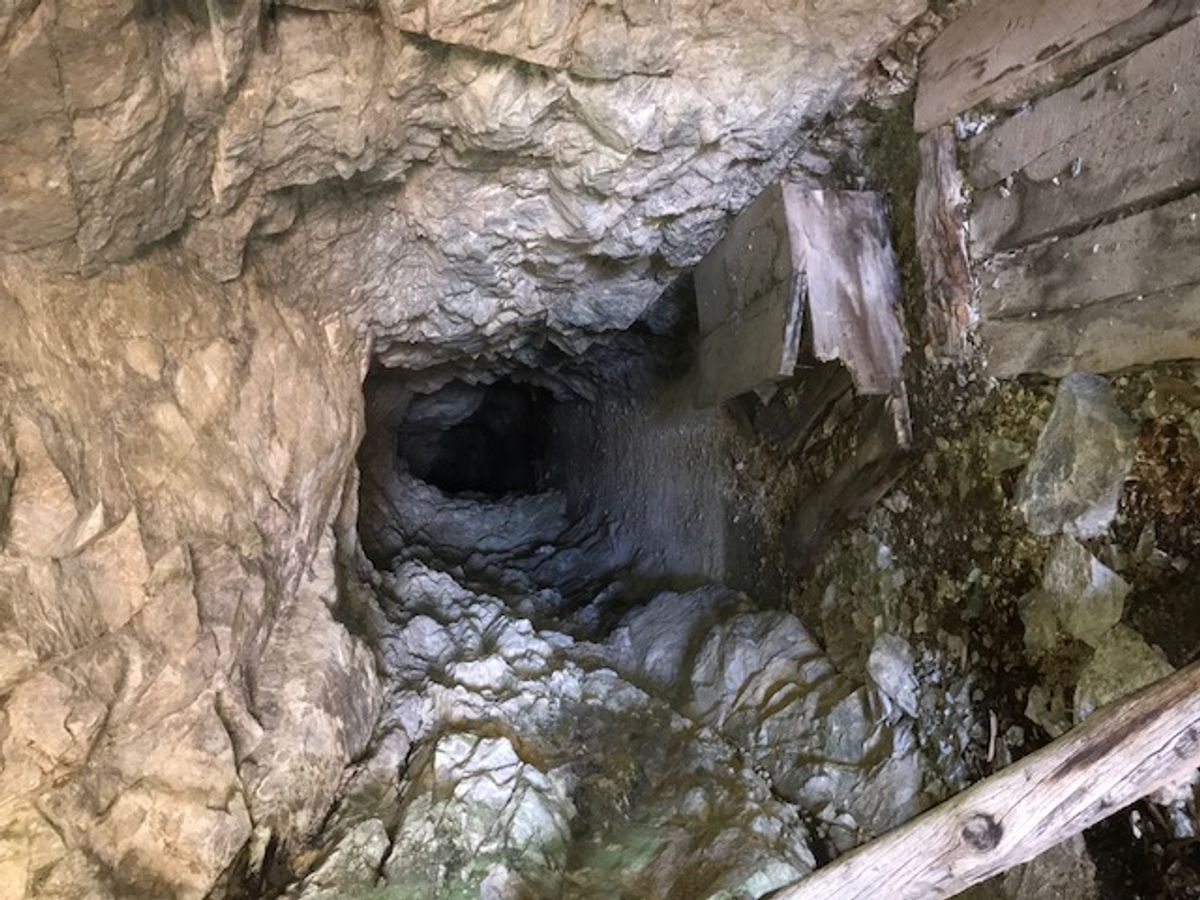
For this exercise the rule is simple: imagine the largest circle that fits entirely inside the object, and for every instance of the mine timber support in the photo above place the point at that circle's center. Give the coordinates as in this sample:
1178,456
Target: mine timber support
1126,751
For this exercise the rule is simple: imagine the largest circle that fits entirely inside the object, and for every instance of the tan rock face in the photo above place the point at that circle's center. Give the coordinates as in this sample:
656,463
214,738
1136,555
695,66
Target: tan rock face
165,579
212,214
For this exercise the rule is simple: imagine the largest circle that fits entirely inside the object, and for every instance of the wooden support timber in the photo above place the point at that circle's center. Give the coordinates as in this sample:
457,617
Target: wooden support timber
941,219
997,46
1122,138
1122,294
1128,750
802,269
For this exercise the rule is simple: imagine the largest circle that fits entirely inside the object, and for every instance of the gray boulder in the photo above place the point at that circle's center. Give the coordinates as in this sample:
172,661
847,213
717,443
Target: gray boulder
1073,483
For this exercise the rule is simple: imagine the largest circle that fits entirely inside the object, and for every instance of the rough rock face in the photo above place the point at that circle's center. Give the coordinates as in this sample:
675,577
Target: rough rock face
456,172
214,215
1073,483
177,453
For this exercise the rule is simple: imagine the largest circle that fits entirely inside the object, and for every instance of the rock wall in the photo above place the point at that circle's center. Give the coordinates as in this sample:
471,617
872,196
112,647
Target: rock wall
176,453
464,175
213,215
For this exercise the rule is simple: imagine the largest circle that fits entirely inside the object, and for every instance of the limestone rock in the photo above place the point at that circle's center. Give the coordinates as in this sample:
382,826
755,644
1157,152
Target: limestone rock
353,866
1123,662
150,547
1065,870
1079,595
504,147
890,666
213,217
1073,483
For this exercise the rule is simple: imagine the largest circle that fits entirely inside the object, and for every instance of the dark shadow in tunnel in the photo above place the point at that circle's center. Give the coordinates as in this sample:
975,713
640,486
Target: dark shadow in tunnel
477,439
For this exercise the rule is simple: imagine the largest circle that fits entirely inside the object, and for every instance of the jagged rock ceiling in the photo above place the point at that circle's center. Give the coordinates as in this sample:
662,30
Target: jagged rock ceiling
460,174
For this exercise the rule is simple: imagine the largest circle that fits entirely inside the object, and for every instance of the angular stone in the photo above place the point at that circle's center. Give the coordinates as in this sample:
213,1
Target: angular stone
1084,453
351,867
891,667
1123,662
1079,594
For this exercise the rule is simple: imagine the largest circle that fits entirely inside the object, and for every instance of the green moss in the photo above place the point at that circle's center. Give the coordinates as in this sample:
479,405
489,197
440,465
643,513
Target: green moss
893,167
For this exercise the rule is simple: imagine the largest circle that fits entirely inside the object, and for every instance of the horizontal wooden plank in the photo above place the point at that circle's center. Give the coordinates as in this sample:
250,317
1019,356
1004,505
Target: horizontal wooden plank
1143,254
1125,135
1151,23
983,52
1103,337
1126,751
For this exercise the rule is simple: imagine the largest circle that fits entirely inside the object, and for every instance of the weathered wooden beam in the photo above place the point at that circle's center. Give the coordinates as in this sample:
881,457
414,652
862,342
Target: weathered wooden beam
1126,751
802,265
1104,337
1141,254
941,221
1151,23
1123,136
1122,294
853,284
987,50
750,299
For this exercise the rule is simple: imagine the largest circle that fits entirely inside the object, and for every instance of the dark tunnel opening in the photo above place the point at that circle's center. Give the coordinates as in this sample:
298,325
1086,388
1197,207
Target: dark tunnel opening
478,439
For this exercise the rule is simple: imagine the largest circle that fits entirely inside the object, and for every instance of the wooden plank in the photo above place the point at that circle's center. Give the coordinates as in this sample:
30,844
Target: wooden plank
746,353
1102,337
750,300
1143,254
853,283
1123,136
1126,751
801,261
754,264
999,42
941,221
1156,20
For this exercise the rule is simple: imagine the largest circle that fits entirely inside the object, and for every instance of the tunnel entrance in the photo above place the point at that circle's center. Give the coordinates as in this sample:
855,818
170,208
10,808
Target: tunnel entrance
477,439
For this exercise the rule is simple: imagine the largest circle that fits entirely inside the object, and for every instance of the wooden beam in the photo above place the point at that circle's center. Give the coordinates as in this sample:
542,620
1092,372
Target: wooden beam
1123,294
1125,136
750,299
1153,22
1124,752
1143,254
998,43
942,245
797,266
1104,337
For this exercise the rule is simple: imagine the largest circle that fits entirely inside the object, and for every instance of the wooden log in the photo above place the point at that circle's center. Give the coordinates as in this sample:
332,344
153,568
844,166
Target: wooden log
985,51
1124,752
942,244
1127,135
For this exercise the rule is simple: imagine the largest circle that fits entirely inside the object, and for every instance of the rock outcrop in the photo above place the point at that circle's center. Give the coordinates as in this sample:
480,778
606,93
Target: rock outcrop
456,173
173,674
214,217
